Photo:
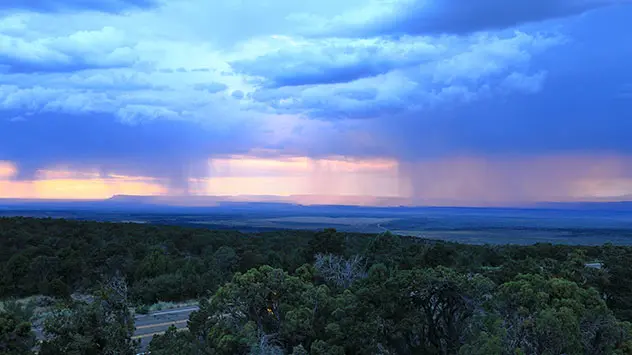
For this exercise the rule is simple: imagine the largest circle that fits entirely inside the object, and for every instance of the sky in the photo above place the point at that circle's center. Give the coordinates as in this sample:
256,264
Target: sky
427,102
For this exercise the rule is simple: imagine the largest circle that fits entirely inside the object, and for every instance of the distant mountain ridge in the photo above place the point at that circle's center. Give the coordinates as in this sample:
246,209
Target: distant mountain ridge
208,201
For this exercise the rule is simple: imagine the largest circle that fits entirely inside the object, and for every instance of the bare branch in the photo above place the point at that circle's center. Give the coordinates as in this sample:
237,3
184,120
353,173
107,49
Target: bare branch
340,271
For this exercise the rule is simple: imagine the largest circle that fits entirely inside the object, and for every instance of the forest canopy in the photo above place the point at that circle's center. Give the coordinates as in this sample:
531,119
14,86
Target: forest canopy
312,292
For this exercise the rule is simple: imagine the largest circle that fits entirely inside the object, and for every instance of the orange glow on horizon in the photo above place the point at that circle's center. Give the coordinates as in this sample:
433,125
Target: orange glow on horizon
66,175
466,181
60,184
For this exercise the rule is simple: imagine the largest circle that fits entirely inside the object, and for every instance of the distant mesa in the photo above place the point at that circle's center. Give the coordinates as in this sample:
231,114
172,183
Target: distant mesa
208,201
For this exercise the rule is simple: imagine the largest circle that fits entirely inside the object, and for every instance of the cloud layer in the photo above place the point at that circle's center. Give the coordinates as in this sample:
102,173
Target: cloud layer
415,17
158,88
55,6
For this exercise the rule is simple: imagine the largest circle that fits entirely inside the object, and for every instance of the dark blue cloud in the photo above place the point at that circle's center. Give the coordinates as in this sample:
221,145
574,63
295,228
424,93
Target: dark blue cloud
334,62
173,150
11,65
579,109
238,94
111,6
212,88
369,78
315,75
465,16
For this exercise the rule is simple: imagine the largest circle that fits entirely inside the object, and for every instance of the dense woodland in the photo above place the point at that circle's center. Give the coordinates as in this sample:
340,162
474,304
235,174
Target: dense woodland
300,292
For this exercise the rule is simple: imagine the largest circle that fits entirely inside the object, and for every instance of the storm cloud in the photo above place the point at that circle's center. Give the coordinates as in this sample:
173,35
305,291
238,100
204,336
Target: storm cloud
158,93
174,151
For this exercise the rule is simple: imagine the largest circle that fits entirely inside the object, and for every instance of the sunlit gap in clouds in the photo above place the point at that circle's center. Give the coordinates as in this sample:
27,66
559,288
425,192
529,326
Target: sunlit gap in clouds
62,183
466,181
336,177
